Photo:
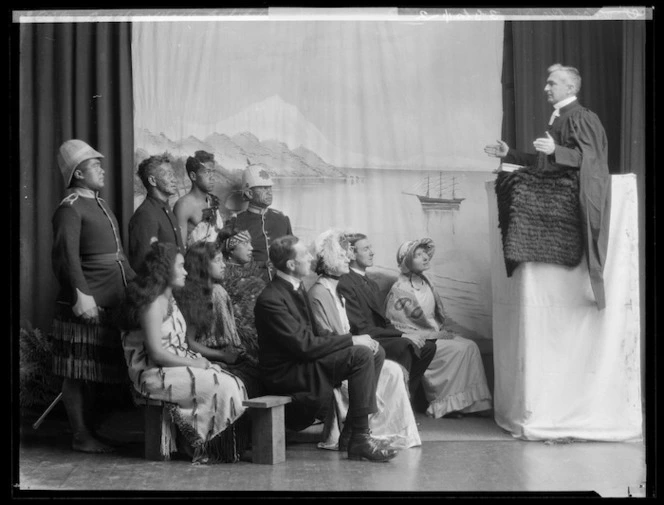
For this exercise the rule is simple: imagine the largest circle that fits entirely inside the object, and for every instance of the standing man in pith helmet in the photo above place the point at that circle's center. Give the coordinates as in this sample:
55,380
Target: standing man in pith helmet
90,265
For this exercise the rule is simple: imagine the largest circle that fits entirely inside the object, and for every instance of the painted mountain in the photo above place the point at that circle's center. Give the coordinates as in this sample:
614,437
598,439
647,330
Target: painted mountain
232,155
274,118
278,134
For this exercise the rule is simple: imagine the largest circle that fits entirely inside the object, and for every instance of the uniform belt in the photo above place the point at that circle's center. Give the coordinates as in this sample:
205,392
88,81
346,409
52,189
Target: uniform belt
116,256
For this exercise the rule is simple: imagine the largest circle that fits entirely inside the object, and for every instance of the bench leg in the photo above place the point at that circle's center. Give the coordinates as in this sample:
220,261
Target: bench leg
152,427
268,437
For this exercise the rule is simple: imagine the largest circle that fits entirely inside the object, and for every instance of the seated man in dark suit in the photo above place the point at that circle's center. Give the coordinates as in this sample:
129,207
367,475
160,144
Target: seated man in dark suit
366,315
306,366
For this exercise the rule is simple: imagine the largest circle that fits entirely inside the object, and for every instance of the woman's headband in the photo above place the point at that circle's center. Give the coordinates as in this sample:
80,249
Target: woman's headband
231,242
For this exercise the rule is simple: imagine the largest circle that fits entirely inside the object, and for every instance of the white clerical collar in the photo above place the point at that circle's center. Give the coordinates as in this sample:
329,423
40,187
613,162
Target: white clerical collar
293,280
361,272
564,102
257,210
84,192
558,106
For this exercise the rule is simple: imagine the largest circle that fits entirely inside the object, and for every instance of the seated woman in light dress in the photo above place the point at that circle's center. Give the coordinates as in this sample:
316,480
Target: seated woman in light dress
394,422
204,402
210,316
454,383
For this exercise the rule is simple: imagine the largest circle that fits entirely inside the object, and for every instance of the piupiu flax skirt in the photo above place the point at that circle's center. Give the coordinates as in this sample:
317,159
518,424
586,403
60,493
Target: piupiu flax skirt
87,351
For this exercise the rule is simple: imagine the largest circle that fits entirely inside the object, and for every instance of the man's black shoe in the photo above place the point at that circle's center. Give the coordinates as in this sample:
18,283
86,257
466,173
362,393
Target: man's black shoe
345,437
363,446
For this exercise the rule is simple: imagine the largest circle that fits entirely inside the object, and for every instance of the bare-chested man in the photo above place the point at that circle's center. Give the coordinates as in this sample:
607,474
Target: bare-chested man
197,212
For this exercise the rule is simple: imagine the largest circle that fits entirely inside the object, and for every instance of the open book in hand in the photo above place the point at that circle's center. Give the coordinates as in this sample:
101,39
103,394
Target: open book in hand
508,167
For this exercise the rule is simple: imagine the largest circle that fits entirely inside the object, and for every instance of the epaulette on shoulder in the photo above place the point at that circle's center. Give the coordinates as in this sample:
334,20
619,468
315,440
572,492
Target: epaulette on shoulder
69,199
278,212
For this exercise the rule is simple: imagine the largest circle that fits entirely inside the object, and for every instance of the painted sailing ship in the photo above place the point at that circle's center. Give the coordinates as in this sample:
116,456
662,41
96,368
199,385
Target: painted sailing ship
439,193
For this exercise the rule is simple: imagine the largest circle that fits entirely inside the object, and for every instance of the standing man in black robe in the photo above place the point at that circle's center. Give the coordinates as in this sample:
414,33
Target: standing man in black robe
574,139
297,362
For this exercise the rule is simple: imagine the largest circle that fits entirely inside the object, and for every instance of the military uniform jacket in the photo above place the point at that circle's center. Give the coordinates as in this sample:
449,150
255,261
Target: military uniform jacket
264,228
87,254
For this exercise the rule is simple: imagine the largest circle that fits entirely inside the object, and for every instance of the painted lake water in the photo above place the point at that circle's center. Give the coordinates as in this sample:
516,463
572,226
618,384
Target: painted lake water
374,202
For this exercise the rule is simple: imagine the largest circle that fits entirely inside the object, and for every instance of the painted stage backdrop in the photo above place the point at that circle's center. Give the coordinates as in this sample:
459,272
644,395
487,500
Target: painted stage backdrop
369,126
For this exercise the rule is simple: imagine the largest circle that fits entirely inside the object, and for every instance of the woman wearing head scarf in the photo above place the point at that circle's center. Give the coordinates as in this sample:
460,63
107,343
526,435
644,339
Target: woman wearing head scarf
394,422
455,382
243,280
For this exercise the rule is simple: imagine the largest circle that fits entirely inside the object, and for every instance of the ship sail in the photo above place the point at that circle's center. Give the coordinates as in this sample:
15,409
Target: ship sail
433,190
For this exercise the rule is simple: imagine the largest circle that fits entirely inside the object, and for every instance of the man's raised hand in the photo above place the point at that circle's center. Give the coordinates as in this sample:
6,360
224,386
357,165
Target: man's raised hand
498,150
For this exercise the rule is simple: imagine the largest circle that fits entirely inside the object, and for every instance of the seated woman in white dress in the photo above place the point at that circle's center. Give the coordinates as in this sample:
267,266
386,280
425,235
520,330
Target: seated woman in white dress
455,382
394,422
203,401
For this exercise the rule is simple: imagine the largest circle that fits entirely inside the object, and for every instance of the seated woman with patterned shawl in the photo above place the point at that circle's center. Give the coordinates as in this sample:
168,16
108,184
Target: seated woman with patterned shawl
454,382
394,422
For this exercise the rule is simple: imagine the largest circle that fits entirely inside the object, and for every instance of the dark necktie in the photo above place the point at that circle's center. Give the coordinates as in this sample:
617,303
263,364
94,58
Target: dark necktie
302,295
369,290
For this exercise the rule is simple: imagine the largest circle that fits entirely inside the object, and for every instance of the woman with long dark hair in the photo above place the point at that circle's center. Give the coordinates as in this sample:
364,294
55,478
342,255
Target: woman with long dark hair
210,316
204,401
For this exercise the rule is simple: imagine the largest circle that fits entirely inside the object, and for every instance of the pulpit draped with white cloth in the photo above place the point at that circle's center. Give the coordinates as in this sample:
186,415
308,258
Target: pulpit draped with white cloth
564,369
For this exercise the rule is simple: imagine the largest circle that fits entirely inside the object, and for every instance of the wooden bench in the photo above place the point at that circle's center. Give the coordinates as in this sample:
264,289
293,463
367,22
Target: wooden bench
268,431
268,436
152,421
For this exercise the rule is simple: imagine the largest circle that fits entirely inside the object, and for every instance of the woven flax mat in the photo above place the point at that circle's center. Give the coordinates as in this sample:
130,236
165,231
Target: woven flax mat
539,217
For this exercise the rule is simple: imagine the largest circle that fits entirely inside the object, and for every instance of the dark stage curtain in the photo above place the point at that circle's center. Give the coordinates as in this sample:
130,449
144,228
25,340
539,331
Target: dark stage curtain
75,81
633,103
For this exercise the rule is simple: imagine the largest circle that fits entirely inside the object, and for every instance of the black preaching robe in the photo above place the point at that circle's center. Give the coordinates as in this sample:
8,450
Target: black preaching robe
581,144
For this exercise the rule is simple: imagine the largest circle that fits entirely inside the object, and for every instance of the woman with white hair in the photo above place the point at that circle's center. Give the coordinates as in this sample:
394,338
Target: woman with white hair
454,382
394,422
